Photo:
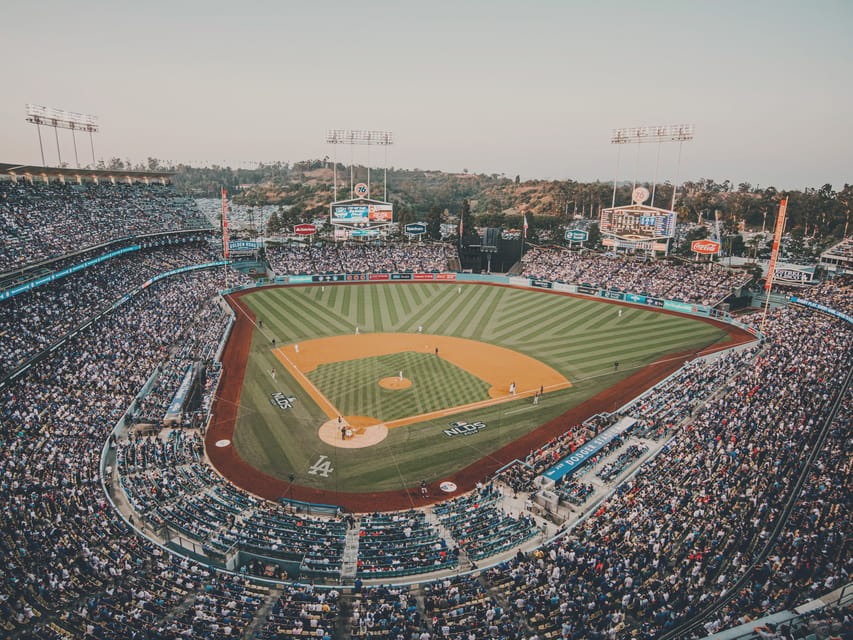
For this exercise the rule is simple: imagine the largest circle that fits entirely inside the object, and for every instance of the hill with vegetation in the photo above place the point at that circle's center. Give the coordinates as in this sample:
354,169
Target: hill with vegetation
303,190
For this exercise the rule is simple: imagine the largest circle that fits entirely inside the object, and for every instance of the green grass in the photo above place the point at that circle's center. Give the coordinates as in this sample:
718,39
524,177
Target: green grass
579,338
352,385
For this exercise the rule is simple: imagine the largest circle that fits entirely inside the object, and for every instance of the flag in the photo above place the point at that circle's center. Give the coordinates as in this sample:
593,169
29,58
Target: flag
460,225
525,225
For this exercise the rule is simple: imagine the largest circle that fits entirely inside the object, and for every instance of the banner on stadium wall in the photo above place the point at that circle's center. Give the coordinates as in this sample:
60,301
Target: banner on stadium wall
379,276
519,282
587,290
329,277
424,276
10,293
822,308
300,279
401,276
542,284
566,288
611,295
582,454
684,307
635,298
445,276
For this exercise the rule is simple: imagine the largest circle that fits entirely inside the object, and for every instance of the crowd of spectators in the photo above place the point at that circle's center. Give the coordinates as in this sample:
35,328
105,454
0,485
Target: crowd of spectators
706,285
40,221
361,258
32,321
678,535
682,532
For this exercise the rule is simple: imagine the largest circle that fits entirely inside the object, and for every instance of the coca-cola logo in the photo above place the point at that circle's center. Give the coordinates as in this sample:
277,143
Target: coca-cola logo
705,246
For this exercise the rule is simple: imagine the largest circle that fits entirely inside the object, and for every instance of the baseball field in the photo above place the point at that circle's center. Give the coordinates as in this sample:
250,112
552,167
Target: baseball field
369,389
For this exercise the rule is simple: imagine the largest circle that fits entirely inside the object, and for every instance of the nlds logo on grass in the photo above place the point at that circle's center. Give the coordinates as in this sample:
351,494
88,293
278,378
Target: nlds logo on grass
282,401
463,428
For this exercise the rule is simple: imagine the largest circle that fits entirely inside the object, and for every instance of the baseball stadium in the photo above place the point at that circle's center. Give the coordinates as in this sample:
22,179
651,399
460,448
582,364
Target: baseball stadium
347,439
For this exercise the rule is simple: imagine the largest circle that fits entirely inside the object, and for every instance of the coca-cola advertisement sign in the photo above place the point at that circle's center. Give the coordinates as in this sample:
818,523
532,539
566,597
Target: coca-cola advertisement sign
705,246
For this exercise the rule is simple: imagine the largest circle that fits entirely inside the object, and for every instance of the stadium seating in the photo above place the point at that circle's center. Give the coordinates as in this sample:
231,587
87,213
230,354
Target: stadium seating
680,534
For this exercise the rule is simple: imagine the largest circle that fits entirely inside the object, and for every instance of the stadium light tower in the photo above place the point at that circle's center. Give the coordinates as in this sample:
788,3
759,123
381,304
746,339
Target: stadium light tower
679,133
354,137
59,119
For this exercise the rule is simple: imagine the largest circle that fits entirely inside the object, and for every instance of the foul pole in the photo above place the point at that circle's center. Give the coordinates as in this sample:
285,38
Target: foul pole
225,233
774,255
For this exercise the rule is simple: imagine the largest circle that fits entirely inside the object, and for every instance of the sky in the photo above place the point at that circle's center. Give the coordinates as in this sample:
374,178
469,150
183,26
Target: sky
531,88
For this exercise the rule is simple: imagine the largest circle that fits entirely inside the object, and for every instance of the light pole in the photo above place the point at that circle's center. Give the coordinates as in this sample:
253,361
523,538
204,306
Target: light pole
353,137
58,119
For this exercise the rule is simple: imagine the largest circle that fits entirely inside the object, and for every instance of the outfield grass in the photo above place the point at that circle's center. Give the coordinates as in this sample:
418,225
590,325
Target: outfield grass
579,338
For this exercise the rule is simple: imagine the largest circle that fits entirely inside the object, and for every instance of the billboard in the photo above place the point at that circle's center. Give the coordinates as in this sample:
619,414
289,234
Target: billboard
361,211
638,222
242,247
415,228
349,213
305,229
575,235
708,247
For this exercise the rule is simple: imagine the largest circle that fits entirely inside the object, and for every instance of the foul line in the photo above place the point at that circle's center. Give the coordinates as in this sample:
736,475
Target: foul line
322,401
474,405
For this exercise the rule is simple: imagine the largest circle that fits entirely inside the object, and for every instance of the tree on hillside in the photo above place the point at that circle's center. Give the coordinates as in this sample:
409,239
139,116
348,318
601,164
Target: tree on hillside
697,233
434,223
594,239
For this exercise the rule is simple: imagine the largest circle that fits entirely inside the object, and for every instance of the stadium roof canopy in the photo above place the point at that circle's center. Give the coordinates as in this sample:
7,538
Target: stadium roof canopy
68,173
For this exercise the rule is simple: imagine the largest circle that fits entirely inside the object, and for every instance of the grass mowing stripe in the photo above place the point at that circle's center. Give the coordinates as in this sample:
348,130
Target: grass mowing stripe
463,320
489,311
301,318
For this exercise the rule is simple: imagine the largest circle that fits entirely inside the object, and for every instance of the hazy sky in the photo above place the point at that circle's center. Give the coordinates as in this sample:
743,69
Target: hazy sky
531,88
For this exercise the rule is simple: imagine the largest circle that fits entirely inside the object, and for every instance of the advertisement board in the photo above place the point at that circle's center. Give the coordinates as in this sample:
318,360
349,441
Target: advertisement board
612,295
382,212
542,284
415,228
635,298
705,247
305,229
575,235
350,213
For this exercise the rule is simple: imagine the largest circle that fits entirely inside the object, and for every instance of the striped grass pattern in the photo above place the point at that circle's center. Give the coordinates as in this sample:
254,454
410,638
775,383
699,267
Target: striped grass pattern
436,384
580,338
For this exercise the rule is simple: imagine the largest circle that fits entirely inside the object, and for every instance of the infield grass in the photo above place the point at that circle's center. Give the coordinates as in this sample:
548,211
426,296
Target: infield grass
579,338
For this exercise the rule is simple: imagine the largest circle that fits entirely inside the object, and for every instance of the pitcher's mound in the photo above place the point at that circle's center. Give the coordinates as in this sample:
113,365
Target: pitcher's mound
395,382
365,432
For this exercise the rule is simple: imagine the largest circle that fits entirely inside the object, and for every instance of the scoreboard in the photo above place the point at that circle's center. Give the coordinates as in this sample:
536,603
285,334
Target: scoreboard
638,222
361,211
